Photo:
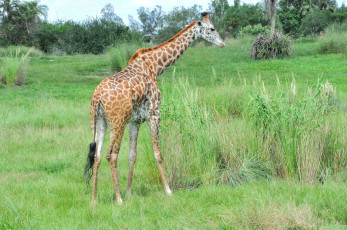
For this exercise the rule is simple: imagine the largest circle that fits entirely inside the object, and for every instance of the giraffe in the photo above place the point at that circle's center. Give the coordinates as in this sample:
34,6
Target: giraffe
132,96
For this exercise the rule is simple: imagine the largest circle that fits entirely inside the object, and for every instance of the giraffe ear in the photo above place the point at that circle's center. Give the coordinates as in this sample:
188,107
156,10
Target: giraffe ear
199,23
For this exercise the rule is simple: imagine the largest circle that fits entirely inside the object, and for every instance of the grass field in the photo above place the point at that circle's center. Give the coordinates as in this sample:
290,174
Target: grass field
242,148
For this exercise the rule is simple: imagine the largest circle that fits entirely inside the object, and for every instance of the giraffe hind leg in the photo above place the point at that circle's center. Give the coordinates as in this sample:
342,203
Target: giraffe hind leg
133,134
112,157
100,131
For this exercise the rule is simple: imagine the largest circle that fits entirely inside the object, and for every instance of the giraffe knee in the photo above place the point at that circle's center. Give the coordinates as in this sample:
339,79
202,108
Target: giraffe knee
111,157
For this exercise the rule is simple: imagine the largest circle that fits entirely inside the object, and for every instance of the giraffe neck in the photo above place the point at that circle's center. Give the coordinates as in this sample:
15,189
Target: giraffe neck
162,57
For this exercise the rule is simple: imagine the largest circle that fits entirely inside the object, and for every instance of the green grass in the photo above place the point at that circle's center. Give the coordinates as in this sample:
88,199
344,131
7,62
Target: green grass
217,158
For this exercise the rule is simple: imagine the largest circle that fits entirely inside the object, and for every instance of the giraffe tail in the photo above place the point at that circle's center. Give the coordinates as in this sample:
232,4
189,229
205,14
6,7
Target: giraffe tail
88,168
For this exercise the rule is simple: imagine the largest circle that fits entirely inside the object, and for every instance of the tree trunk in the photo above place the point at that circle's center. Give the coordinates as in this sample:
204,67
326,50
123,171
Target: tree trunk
272,17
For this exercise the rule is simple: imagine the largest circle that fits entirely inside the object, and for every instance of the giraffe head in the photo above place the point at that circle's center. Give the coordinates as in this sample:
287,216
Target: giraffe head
206,30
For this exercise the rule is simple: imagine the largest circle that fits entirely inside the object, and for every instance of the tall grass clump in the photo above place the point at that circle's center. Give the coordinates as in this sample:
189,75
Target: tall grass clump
234,133
332,44
120,55
303,139
334,40
20,51
14,67
199,140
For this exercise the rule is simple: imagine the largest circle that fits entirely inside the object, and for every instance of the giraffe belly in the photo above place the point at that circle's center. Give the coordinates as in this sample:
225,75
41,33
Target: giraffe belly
140,113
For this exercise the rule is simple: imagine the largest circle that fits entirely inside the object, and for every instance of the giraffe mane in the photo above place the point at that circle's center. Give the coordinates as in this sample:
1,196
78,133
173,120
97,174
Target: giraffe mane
142,51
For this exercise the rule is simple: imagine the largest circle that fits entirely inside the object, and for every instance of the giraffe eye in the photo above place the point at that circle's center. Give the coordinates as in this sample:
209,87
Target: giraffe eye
213,29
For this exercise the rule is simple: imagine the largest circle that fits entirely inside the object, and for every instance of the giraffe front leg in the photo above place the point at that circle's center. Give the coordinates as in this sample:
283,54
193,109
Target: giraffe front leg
154,123
133,134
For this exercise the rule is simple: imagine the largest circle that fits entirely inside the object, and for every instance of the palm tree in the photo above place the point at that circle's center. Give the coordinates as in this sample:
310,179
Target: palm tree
8,7
20,20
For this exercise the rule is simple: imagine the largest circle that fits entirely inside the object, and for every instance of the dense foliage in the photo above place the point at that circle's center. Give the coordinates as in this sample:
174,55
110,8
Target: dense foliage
236,18
90,36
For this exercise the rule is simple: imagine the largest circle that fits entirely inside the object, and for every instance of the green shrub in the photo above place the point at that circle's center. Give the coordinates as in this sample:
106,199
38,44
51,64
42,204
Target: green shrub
254,30
120,55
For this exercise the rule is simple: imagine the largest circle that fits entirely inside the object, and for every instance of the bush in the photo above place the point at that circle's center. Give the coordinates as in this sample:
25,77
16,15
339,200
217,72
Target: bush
254,30
265,47
120,55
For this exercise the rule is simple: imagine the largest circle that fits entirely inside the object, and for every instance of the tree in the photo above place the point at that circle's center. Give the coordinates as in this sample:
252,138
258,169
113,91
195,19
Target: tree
8,7
20,21
291,13
340,14
315,22
323,4
133,24
236,18
150,19
176,20
217,9
107,13
237,3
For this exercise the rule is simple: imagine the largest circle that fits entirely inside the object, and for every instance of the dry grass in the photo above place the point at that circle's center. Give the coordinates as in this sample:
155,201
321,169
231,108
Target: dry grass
275,216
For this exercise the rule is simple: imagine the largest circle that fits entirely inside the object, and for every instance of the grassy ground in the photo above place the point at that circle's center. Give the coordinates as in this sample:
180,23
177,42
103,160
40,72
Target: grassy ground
44,134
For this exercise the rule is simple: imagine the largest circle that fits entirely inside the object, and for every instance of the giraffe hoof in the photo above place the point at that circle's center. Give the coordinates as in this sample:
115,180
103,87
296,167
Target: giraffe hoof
128,194
93,203
168,192
119,202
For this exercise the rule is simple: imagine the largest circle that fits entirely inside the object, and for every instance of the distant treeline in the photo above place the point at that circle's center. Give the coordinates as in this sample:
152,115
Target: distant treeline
23,23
